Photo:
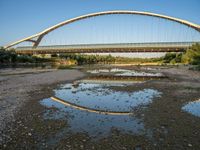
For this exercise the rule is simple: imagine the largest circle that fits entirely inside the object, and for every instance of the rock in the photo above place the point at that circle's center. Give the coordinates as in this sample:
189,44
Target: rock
29,134
190,145
84,140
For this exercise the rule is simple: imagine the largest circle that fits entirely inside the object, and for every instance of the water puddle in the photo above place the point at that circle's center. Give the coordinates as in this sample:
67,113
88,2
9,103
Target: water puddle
115,70
105,100
125,72
135,73
193,108
120,76
96,109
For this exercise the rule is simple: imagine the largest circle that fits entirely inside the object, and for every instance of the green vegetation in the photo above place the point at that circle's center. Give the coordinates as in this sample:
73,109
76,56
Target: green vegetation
105,59
10,56
172,58
88,59
191,56
137,60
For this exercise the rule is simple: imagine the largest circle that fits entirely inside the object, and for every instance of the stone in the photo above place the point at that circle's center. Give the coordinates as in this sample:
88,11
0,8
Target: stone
29,134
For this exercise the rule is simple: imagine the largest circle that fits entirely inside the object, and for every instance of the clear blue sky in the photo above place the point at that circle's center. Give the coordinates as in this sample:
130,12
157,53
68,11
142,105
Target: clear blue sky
21,18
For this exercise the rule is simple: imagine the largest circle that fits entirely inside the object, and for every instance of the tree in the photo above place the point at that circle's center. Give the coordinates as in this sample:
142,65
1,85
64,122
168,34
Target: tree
169,57
192,55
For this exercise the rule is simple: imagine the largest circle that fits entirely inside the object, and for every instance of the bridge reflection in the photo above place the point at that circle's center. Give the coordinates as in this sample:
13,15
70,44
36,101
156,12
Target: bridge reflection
107,79
75,106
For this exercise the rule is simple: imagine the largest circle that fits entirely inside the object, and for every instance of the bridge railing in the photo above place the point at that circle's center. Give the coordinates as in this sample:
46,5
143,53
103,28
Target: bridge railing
112,45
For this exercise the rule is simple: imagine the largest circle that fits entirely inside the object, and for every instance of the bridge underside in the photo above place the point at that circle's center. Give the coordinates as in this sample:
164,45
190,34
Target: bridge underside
99,50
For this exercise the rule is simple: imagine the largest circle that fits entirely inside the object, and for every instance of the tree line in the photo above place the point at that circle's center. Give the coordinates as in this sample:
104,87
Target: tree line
190,56
10,56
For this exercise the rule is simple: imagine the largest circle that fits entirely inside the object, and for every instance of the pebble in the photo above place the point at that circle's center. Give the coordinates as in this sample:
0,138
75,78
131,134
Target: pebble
29,134
190,145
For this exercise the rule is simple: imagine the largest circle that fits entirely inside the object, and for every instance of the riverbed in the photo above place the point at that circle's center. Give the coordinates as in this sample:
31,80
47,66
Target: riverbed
100,107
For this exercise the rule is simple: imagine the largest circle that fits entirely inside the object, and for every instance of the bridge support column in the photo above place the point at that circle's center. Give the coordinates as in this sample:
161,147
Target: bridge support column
38,41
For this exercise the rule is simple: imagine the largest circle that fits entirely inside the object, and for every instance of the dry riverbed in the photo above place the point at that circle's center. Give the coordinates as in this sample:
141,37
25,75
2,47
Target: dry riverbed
19,86
23,126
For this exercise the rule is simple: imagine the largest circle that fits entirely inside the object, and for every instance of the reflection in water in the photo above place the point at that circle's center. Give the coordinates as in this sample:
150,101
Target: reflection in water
92,110
96,125
125,72
115,70
119,79
102,98
135,73
193,108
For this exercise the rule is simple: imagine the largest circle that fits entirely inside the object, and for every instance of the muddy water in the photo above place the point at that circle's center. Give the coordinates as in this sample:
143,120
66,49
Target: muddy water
92,106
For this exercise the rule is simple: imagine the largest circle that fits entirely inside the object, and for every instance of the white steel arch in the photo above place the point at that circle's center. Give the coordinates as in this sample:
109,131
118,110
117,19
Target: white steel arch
40,35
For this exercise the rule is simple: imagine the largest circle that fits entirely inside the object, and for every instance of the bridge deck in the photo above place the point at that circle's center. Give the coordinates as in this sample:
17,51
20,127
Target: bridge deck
104,48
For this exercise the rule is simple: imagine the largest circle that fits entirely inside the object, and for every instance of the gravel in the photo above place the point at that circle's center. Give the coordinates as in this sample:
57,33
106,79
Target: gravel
15,84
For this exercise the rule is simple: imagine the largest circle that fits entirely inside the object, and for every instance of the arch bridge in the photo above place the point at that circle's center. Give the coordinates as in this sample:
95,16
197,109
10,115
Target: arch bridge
105,47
